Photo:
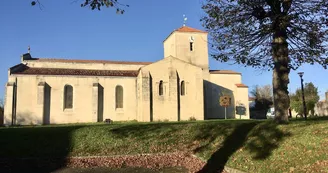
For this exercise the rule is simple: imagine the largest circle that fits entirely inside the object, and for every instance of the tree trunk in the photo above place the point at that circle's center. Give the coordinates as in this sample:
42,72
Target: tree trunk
280,78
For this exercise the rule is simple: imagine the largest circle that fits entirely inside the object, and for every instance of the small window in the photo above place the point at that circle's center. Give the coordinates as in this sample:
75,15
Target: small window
183,88
119,96
68,97
160,88
191,46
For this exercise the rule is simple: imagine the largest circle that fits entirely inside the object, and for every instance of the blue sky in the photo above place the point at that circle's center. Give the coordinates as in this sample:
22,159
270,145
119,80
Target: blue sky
62,29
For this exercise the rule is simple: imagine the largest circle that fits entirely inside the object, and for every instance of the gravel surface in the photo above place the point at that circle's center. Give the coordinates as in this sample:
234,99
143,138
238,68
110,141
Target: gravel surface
153,161
120,170
143,163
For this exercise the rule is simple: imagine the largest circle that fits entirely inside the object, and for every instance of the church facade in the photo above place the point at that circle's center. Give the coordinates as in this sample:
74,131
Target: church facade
178,87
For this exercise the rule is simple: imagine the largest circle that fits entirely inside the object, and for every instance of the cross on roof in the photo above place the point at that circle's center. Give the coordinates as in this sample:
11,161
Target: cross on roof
184,20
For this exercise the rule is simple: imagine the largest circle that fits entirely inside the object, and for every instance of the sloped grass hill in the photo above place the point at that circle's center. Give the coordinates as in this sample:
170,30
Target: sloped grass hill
251,146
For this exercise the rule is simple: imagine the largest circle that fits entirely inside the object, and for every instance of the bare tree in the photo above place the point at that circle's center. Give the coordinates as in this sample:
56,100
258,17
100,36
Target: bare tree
263,96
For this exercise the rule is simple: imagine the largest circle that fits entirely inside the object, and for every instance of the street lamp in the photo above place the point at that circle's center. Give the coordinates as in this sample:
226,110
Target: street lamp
304,105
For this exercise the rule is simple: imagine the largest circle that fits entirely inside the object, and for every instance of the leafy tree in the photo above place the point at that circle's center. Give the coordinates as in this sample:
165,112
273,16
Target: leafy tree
263,97
95,4
277,35
311,98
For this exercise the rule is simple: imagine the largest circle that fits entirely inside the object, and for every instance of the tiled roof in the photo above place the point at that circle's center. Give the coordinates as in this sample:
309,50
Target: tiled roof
185,29
89,61
241,85
223,72
251,98
189,29
74,72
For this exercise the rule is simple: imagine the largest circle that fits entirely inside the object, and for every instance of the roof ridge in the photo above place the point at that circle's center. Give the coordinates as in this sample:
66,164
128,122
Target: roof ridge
241,85
91,61
75,72
223,72
185,29
78,69
189,29
85,59
183,61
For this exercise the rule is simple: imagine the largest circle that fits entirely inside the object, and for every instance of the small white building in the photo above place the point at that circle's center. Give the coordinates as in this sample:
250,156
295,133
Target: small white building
321,108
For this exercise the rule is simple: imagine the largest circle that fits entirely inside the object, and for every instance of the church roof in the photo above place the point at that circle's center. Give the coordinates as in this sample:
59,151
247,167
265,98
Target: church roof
25,70
223,72
189,29
240,85
185,29
89,61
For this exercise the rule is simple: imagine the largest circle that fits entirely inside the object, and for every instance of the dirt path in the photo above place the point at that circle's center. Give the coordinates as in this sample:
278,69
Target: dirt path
120,170
151,161
143,163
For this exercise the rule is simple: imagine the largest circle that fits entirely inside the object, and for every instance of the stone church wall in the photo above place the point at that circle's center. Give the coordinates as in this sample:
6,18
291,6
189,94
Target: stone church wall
144,97
178,45
40,99
172,105
225,84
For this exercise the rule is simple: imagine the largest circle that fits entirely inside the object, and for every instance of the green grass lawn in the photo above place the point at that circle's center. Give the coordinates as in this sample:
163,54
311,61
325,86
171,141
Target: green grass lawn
252,146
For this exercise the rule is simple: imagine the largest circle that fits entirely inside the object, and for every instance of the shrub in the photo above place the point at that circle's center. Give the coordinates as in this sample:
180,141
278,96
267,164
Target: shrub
192,118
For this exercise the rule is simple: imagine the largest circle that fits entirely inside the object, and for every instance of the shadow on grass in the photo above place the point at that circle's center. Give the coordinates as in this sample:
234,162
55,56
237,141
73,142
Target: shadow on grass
129,129
143,130
35,149
220,139
310,119
259,138
217,139
204,130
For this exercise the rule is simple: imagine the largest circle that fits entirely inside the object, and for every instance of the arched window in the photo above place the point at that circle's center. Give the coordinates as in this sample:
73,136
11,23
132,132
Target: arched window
160,88
191,47
68,97
183,88
119,96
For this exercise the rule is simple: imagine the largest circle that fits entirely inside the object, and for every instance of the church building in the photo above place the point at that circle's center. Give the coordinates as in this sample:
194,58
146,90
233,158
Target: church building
176,88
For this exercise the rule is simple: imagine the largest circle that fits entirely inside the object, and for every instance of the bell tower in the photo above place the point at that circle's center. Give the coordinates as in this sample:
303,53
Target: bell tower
188,44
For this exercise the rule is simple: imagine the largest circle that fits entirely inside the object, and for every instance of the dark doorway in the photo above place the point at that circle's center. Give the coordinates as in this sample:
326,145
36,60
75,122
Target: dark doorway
100,103
151,97
13,120
179,94
47,104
